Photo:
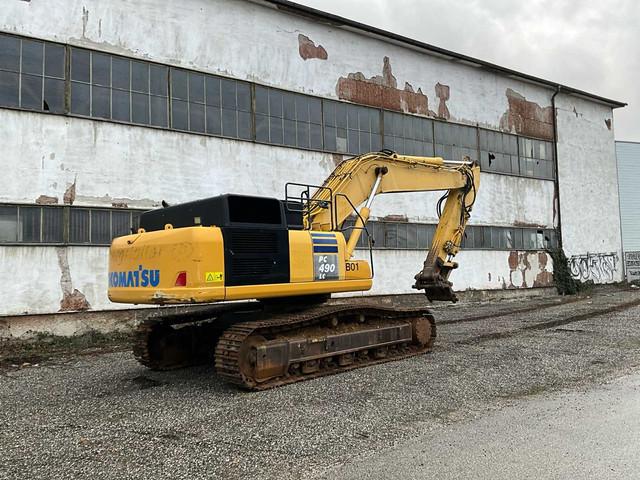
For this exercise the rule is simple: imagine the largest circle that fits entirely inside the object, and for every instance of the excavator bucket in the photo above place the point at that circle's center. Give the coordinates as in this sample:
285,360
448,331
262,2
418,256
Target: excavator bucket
434,285
443,293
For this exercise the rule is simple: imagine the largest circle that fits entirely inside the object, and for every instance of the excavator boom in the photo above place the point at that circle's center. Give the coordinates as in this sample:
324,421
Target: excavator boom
358,180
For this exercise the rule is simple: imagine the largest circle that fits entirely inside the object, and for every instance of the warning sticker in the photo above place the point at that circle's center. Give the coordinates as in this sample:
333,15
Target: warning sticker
211,277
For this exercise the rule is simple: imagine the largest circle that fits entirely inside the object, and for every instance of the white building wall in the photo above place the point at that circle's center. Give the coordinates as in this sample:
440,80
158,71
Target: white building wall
53,272
140,166
248,41
478,270
109,163
588,180
38,278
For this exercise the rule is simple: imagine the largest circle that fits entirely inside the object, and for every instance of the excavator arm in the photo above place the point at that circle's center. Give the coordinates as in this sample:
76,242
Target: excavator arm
356,181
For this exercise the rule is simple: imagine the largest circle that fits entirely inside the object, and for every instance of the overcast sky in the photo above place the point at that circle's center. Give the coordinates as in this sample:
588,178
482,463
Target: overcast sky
587,44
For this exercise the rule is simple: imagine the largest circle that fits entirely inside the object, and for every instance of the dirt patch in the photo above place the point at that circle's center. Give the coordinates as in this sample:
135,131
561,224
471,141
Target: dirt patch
16,354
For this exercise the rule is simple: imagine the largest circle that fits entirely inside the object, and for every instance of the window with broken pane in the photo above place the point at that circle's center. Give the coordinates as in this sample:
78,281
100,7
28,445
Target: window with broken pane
31,74
498,152
536,158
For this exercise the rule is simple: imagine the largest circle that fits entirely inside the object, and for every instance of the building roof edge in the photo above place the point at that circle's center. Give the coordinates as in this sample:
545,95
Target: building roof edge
342,22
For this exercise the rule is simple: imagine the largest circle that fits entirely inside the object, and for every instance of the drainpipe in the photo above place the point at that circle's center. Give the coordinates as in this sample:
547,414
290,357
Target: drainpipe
555,156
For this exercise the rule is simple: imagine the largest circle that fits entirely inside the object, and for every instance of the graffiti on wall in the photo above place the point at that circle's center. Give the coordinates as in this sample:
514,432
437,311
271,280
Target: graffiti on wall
632,263
598,267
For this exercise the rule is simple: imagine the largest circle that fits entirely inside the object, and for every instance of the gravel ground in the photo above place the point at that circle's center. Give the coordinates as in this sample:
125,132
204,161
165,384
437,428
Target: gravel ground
588,434
106,417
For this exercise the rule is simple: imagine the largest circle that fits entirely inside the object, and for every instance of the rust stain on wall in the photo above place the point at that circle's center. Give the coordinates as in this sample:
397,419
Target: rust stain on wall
544,278
382,91
519,223
555,204
70,193
308,49
85,20
513,261
520,265
72,298
395,218
46,200
74,301
442,92
527,118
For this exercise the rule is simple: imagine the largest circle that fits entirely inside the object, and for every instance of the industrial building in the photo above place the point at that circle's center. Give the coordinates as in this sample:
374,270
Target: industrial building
628,154
108,108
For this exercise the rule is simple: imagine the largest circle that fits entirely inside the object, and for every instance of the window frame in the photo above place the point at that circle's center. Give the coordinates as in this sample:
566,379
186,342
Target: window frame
477,237
63,229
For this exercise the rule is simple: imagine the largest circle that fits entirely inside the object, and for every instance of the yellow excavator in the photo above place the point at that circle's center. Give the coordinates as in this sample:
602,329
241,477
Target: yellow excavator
272,264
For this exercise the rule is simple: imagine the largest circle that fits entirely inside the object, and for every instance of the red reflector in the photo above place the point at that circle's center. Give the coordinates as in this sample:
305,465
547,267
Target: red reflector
181,279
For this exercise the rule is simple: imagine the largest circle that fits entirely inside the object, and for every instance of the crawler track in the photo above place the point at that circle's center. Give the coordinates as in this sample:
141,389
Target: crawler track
316,342
297,343
169,342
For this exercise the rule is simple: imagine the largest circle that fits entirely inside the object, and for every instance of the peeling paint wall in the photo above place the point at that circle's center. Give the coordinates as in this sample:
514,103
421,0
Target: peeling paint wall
84,162
273,57
133,164
51,280
525,117
382,91
309,50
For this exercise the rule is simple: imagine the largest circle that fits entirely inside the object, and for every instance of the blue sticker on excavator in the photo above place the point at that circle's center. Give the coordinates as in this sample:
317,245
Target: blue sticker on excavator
324,243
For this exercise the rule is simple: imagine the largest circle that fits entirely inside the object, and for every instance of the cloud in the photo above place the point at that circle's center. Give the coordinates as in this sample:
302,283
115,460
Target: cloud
590,45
